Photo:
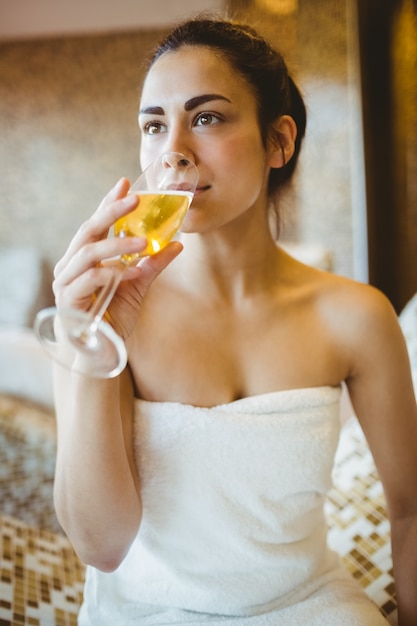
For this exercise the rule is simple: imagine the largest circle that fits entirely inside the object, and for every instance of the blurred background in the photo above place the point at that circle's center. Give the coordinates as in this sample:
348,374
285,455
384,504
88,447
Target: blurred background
70,76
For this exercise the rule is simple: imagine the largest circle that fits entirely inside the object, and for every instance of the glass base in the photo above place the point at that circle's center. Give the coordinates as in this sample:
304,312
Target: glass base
70,338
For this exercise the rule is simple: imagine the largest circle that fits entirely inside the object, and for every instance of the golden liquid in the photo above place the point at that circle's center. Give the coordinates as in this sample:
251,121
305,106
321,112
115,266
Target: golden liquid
157,217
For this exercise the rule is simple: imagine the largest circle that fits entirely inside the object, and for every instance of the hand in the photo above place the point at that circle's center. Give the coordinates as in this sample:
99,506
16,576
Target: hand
81,272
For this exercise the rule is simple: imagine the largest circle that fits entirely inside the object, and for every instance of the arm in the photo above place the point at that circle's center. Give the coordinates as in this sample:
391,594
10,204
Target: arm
96,492
96,487
380,387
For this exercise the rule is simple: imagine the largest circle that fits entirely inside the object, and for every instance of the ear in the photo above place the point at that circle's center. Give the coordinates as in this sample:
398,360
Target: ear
282,141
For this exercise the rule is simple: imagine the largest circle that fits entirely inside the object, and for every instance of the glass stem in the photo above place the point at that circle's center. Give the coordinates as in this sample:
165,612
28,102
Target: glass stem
105,296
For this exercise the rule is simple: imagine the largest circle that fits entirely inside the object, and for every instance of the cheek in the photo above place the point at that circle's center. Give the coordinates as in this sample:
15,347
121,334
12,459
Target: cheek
246,151
245,164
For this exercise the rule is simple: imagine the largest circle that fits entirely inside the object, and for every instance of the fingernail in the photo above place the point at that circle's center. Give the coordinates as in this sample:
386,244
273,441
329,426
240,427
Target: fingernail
118,185
139,242
130,201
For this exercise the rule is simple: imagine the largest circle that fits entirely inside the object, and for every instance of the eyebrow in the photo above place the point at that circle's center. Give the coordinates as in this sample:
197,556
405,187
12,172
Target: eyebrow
189,105
208,97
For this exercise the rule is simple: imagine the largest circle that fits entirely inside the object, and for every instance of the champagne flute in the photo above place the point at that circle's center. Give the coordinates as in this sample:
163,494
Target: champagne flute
83,341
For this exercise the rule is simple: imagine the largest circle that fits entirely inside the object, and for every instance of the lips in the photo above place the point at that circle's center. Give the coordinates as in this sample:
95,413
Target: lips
180,187
202,188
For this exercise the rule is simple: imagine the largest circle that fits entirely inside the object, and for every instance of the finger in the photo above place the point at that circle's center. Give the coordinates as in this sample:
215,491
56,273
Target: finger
97,228
91,255
78,294
114,205
151,266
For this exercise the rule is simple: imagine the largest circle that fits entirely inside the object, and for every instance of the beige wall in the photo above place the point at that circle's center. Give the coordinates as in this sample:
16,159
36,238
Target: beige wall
40,18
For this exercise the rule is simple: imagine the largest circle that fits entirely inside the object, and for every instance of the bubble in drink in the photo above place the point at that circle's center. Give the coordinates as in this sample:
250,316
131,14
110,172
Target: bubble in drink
157,217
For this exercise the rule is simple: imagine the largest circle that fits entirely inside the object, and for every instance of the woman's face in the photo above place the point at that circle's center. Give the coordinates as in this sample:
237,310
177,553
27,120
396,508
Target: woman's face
195,103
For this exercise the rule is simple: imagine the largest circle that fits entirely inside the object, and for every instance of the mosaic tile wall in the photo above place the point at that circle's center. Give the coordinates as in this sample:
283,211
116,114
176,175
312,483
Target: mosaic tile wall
358,522
41,579
68,129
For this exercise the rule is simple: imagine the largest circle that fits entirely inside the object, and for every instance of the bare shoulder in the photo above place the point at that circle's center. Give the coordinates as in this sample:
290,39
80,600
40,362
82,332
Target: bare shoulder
341,301
365,323
358,320
346,311
361,307
366,329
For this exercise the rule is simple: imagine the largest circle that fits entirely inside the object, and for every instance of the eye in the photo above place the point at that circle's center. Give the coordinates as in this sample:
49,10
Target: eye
153,128
206,119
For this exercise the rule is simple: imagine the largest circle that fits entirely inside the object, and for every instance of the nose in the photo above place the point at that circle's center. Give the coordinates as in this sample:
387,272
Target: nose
179,139
184,157
180,171
177,160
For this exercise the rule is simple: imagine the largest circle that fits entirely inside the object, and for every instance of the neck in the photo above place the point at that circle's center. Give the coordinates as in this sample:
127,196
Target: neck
231,263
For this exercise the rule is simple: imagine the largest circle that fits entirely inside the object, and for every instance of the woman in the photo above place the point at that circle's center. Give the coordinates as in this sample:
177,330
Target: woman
193,484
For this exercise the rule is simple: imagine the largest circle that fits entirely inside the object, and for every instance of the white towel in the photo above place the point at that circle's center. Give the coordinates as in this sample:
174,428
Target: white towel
233,528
